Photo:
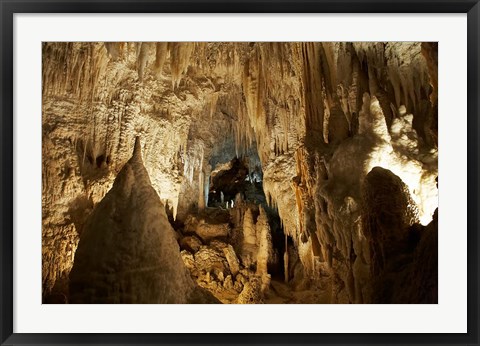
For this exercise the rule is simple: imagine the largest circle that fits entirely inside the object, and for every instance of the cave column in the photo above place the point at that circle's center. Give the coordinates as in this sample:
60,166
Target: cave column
208,171
285,260
264,240
201,191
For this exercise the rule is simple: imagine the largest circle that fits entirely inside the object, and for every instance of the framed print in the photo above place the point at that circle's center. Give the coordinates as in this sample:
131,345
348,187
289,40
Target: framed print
239,172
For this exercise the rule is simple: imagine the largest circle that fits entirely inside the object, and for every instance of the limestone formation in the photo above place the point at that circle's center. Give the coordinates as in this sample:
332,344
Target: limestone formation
210,260
188,260
206,231
264,248
250,246
249,231
251,293
239,137
388,216
232,260
190,243
127,251
228,283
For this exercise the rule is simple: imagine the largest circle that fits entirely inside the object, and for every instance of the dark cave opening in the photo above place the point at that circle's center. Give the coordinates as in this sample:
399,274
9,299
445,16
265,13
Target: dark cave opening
236,177
226,183
236,181
239,177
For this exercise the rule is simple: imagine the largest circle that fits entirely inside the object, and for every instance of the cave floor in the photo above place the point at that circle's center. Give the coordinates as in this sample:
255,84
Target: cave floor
281,293
206,259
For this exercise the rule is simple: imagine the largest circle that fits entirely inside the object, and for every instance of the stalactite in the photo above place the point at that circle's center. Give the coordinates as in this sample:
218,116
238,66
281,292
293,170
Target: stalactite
82,66
312,85
115,49
145,54
161,52
180,54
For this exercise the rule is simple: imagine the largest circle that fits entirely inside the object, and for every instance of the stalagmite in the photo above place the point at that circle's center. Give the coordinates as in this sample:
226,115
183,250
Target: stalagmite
238,199
137,259
264,248
249,247
206,189
232,259
201,191
249,232
285,262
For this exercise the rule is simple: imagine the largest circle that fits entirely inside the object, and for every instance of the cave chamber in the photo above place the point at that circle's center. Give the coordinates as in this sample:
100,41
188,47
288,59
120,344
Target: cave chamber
239,172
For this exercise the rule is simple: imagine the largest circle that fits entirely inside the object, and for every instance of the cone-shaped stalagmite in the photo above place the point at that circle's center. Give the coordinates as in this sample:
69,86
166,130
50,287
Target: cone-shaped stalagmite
127,252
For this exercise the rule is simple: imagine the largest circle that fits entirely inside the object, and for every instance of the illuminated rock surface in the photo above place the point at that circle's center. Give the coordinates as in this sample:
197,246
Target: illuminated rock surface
127,251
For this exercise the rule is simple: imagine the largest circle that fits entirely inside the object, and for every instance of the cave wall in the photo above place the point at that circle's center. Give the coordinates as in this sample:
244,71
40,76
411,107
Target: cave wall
319,115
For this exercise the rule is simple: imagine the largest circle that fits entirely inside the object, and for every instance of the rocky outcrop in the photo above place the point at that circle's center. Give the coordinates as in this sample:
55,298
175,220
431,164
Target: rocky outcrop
388,213
251,293
423,288
216,267
210,260
190,243
231,257
127,251
400,262
206,231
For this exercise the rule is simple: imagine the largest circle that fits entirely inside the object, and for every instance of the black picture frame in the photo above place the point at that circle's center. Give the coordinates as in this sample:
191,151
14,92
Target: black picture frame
9,7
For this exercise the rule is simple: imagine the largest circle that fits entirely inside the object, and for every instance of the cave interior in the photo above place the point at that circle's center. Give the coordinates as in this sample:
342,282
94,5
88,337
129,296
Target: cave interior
239,173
